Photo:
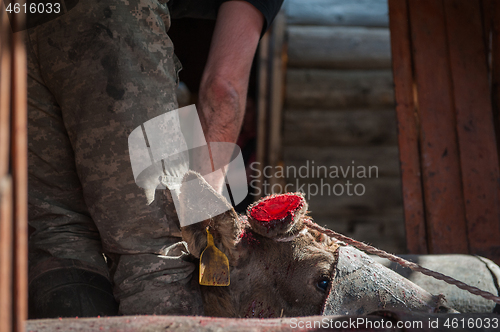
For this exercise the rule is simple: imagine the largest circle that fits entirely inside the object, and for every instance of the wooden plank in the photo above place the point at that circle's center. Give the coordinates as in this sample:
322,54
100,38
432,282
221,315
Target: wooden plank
323,128
494,15
6,254
476,134
443,194
284,324
5,64
6,203
339,47
383,159
20,176
347,224
338,12
314,88
487,13
408,133
383,232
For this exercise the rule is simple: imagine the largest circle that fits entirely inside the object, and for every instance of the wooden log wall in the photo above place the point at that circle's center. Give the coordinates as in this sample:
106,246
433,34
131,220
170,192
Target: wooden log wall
13,176
446,59
339,109
270,96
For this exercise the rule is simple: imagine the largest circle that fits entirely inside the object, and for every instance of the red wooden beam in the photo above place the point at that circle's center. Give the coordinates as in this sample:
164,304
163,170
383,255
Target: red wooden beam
476,134
491,13
441,175
408,131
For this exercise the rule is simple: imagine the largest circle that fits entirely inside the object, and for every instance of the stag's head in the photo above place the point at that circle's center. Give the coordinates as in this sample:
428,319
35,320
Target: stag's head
281,267
278,267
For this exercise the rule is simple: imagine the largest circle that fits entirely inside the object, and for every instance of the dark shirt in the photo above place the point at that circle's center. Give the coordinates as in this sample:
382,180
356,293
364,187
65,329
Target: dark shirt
207,9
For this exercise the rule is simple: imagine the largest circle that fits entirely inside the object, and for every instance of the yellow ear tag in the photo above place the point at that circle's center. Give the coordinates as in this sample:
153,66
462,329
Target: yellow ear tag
214,265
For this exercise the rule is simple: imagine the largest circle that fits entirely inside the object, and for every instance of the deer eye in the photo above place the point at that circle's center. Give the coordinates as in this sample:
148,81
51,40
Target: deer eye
323,284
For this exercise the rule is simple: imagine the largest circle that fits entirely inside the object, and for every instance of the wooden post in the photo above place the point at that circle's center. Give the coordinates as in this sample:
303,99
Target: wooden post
13,187
5,67
5,179
19,155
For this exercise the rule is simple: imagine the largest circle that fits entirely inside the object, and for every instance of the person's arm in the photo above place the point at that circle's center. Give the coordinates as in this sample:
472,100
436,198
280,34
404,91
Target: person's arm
224,84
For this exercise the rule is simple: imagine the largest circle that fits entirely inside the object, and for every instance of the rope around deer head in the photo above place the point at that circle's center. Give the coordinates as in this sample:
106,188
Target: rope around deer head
403,262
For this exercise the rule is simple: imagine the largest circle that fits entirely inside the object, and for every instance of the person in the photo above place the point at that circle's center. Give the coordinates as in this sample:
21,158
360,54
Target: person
95,74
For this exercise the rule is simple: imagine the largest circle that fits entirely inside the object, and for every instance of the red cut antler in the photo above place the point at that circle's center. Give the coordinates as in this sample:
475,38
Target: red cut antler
277,215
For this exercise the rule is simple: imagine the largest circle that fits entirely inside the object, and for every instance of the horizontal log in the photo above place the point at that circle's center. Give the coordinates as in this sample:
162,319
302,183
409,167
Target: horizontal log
386,231
384,158
347,224
339,47
359,198
339,89
323,128
338,12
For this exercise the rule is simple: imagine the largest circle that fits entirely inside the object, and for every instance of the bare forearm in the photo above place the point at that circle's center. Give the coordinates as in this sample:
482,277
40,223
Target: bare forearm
222,107
224,85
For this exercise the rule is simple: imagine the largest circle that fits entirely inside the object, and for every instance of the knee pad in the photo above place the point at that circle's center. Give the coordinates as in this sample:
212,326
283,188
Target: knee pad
69,293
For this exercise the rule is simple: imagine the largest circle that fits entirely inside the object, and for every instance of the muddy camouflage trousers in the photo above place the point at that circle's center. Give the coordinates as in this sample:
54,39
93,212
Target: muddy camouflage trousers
95,74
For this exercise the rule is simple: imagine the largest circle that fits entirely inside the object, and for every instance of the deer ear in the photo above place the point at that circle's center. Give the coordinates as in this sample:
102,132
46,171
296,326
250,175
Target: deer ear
202,206
277,215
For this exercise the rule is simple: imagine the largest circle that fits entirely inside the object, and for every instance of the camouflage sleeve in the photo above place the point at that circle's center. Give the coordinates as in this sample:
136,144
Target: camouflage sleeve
103,69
